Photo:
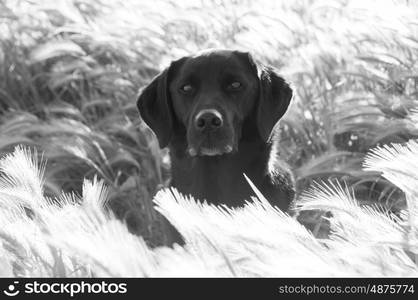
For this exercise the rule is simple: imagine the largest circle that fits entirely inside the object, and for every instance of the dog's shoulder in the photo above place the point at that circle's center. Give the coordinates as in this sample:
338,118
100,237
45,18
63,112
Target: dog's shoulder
279,180
280,175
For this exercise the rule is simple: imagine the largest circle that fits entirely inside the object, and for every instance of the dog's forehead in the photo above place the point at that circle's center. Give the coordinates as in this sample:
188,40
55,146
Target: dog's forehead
213,61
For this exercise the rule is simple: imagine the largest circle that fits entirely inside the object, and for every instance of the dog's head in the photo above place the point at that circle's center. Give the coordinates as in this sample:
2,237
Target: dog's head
209,96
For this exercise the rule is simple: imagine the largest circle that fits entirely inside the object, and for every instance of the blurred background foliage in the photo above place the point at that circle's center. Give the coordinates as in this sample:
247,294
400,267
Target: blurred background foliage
70,71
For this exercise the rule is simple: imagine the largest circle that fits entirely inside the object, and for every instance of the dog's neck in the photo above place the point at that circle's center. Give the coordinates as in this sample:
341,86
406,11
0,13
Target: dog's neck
211,177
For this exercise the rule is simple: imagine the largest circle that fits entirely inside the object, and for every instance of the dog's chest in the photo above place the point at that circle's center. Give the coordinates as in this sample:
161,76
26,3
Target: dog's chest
216,181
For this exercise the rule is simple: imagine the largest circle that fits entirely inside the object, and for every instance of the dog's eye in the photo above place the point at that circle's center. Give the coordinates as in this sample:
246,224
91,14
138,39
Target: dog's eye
186,89
236,85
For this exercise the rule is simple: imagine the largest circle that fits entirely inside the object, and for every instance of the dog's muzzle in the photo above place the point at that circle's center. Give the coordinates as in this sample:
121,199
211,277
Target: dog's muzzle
210,134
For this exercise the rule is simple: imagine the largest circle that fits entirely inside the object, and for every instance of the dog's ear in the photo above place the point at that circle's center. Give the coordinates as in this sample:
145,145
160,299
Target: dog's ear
154,105
274,97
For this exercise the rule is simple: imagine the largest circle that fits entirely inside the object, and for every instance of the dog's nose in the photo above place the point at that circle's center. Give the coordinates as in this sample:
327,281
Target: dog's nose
208,119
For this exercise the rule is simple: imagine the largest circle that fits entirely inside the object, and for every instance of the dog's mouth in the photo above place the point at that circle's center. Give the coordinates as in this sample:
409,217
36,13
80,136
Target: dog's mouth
210,151
211,144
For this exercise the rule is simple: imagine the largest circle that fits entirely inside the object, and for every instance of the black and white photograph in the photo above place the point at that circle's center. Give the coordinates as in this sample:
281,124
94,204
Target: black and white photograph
208,139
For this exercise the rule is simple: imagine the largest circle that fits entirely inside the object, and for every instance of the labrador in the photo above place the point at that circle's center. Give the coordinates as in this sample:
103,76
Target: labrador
216,112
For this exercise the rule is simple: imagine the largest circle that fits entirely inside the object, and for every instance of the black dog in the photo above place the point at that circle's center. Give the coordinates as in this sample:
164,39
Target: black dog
216,111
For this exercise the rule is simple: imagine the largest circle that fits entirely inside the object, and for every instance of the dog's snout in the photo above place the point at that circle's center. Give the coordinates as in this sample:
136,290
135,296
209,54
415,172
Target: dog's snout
208,119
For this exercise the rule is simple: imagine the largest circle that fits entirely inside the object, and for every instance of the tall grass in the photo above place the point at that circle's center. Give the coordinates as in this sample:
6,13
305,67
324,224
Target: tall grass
70,71
78,236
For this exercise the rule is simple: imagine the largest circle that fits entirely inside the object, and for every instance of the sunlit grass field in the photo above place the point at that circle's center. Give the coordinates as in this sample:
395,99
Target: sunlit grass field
70,72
